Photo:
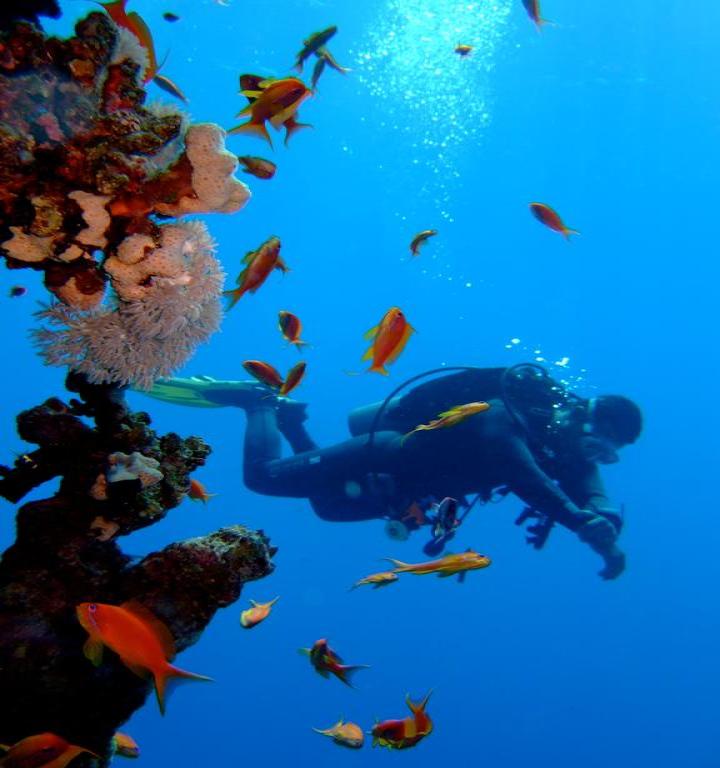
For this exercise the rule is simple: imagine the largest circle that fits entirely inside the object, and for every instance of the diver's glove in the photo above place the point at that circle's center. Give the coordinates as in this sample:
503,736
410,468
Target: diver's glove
601,536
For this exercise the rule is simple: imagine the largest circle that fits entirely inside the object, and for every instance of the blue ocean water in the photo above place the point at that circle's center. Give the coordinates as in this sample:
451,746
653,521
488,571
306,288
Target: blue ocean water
612,117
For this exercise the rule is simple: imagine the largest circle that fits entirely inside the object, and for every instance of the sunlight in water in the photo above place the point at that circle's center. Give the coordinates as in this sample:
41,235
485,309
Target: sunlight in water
440,99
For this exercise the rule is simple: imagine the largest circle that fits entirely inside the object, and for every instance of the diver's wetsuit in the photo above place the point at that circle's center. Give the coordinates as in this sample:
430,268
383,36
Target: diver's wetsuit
351,481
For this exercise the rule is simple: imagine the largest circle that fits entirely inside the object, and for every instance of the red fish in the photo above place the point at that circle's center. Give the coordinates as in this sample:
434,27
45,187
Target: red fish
275,102
264,372
327,662
259,265
198,492
143,643
134,23
256,613
291,328
421,238
405,733
533,11
550,218
44,750
294,377
388,340
257,166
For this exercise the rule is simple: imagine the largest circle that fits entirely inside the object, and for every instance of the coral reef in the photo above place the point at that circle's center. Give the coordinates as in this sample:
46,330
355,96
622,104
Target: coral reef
86,173
66,553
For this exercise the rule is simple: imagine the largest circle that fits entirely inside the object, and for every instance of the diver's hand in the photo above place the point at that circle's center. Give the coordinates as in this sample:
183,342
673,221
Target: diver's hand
614,564
601,536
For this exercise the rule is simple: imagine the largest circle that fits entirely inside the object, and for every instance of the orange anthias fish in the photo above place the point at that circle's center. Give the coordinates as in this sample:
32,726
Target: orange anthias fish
405,733
124,745
257,613
198,492
533,11
134,23
264,373
44,750
447,565
257,166
259,265
294,377
388,340
143,643
550,218
345,734
274,101
377,580
463,50
327,662
291,328
450,418
421,238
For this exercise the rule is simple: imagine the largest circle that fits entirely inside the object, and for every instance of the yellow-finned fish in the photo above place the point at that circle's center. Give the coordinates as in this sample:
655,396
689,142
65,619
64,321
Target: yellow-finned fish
256,613
389,338
448,565
450,418
345,734
377,580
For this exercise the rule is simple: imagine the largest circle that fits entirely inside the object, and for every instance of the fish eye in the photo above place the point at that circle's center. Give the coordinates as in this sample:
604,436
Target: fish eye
92,607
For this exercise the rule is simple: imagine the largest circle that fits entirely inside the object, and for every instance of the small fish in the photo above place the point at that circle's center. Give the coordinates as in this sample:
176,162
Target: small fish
257,166
291,328
259,265
135,24
405,733
313,43
450,418
550,218
389,338
257,613
533,11
463,50
264,373
17,290
327,662
345,734
143,643
447,565
377,580
274,101
420,239
294,377
124,745
198,492
44,750
167,85
168,16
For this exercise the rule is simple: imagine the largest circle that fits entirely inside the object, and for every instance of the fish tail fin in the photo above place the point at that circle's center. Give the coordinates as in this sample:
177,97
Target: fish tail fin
291,130
233,297
381,369
304,651
252,129
567,232
417,707
347,672
299,344
168,677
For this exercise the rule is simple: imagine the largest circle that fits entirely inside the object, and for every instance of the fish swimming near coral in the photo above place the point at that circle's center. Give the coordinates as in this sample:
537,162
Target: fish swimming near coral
445,566
326,662
143,643
124,745
420,239
405,733
389,338
551,218
345,734
258,266
377,580
450,418
258,167
198,492
43,750
256,613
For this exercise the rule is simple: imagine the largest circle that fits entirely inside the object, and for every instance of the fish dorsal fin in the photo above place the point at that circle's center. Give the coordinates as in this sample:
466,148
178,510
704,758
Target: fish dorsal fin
160,630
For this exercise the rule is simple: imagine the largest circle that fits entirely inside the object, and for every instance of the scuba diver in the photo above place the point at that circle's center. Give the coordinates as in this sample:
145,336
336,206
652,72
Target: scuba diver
537,440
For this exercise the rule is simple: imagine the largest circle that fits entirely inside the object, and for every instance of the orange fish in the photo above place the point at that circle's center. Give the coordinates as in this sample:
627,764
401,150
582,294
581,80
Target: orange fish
198,492
533,11
450,417
388,340
377,580
257,166
291,328
294,377
463,50
259,265
421,238
259,612
447,565
264,373
275,102
345,734
134,23
143,643
327,662
44,750
550,218
405,733
124,745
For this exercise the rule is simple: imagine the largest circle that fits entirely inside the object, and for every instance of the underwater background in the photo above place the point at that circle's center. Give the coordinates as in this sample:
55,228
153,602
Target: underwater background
612,117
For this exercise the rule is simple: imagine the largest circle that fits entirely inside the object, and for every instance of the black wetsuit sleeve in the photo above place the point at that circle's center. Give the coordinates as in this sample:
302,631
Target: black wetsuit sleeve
583,484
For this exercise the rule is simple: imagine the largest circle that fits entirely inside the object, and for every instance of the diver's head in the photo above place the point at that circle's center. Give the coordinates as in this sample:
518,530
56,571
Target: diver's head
612,421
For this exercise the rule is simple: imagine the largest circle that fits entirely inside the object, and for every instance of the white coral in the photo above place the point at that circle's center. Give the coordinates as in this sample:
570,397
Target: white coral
153,333
133,466
30,248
